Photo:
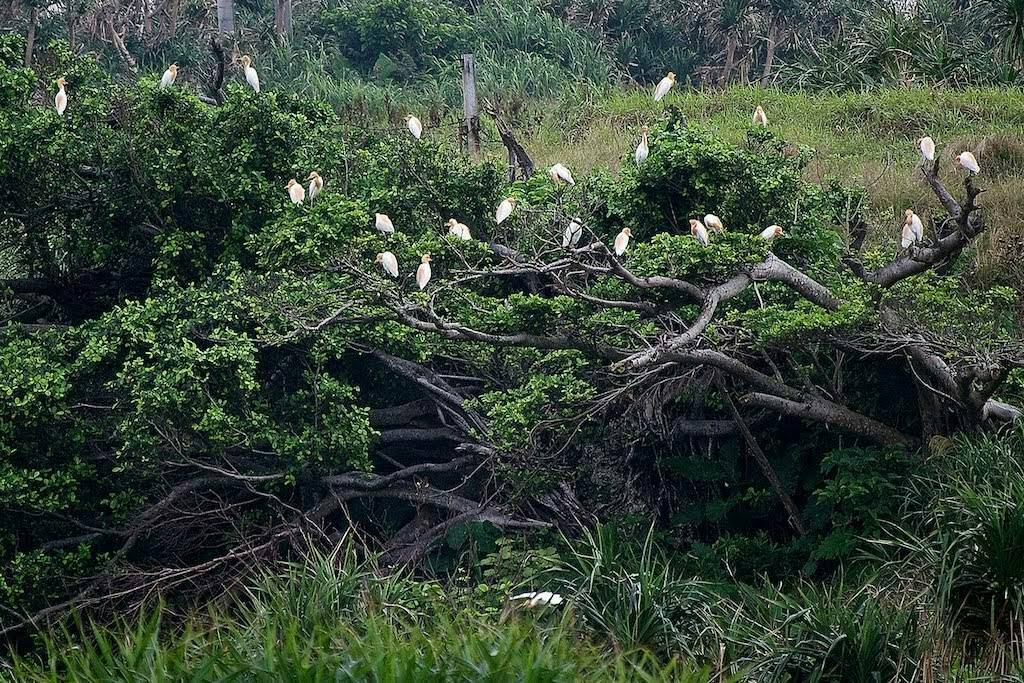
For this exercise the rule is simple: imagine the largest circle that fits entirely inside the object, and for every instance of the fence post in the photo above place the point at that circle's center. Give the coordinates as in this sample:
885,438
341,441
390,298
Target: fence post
470,106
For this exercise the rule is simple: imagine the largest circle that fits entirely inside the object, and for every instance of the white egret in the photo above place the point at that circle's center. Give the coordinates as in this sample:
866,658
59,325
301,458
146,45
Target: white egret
573,233
295,191
714,222
169,76
622,241
382,222
913,229
61,100
414,126
423,272
534,598
460,230
252,78
643,150
560,174
760,118
388,261
771,232
316,185
927,147
968,163
504,210
664,85
698,230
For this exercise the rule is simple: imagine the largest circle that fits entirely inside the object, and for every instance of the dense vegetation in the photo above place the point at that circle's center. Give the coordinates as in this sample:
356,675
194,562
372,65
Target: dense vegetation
783,460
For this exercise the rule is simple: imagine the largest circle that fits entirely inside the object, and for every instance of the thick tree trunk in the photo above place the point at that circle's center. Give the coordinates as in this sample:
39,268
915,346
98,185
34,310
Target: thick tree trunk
226,16
282,20
730,59
30,38
769,57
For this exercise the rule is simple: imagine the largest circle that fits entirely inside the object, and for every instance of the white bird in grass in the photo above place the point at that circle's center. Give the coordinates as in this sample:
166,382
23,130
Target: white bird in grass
167,80
460,230
560,174
664,85
700,232
573,233
643,150
760,118
714,222
913,229
61,99
504,210
388,261
927,147
414,126
968,163
383,223
423,272
251,77
770,233
295,191
534,598
622,241
316,185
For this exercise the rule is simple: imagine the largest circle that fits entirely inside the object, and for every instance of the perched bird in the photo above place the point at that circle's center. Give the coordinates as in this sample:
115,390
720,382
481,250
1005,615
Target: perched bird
698,230
61,100
316,185
560,174
295,191
251,77
760,118
622,241
388,261
771,232
968,163
664,85
573,233
534,598
414,125
913,230
423,272
383,223
504,210
643,150
714,222
169,76
460,230
927,147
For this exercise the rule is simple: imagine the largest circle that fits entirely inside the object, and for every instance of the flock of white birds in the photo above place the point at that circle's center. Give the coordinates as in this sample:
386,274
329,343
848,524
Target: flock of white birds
559,174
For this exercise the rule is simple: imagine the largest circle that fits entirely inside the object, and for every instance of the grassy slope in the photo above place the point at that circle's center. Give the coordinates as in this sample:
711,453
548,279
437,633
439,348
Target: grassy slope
862,139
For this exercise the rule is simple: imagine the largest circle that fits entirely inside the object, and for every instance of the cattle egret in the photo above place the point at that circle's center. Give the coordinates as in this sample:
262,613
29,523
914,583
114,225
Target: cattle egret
643,150
560,174
664,85
698,230
760,118
771,232
388,261
927,147
423,272
251,77
460,230
316,185
61,100
383,223
534,598
504,210
573,233
714,222
622,241
913,230
295,191
968,163
169,76
414,125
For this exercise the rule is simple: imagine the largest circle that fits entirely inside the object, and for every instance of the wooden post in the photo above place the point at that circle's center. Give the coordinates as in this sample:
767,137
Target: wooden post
226,16
470,107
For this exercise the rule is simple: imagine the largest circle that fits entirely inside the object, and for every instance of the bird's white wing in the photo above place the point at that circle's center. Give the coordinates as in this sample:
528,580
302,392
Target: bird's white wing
621,242
524,596
390,264
252,78
423,275
503,212
663,87
61,102
572,234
